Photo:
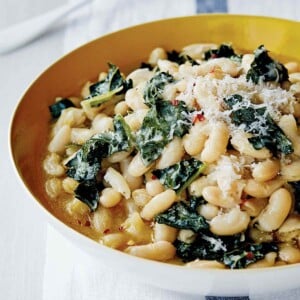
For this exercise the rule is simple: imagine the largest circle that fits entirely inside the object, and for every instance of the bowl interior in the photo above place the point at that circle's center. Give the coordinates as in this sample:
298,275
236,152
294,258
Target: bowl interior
127,49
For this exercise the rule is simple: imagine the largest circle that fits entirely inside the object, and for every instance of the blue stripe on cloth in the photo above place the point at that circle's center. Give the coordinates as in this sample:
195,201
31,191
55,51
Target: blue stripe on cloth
226,298
211,6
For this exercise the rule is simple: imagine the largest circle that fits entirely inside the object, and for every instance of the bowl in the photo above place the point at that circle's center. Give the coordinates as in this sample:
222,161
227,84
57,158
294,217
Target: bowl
127,48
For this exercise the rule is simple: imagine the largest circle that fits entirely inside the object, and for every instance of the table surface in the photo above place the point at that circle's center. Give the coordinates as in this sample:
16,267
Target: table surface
23,231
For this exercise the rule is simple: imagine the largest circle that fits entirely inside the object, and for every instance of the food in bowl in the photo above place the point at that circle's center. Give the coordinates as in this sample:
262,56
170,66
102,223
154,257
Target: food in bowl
192,159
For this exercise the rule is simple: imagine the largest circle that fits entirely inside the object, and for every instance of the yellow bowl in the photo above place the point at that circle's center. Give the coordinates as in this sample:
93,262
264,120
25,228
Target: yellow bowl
127,48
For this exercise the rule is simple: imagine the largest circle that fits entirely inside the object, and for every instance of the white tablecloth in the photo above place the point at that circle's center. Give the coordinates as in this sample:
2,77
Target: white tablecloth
36,262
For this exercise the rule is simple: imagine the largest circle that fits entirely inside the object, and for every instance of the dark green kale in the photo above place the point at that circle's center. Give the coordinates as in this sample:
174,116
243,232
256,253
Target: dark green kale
86,163
247,254
163,121
155,87
104,90
178,176
180,58
234,251
59,106
87,192
257,121
181,216
296,190
224,50
264,68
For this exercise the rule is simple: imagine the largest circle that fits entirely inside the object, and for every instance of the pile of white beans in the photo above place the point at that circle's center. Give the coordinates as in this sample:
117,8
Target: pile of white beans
245,189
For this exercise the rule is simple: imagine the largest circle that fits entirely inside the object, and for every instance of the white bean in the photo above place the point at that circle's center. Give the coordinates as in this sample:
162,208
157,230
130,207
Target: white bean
262,189
289,126
52,165
158,204
265,170
156,54
117,181
80,135
136,167
134,182
163,232
161,251
140,75
53,187
216,143
154,187
273,216
110,197
60,140
134,99
172,154
235,221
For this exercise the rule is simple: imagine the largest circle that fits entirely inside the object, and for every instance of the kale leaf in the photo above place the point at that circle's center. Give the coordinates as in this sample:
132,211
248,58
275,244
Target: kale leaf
104,90
86,163
224,50
180,58
264,68
88,193
257,121
155,87
59,106
178,176
181,216
160,125
234,251
247,254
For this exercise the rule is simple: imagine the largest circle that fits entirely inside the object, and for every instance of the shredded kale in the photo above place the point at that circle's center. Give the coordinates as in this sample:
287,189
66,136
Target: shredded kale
59,106
224,50
155,87
178,176
181,216
85,165
248,114
264,68
104,90
180,58
296,190
160,125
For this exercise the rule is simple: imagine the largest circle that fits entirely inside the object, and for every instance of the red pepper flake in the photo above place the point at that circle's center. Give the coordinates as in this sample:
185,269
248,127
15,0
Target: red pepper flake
175,102
199,117
87,223
250,255
107,230
121,228
79,222
153,177
212,70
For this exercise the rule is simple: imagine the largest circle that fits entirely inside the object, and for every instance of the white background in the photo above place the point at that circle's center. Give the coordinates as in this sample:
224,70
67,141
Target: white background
23,231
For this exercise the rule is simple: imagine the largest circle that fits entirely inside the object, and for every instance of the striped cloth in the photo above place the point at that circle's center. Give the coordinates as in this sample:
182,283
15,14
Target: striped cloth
69,273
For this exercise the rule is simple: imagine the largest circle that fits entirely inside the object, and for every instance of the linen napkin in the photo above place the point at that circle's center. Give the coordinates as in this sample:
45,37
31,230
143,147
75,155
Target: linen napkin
69,273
